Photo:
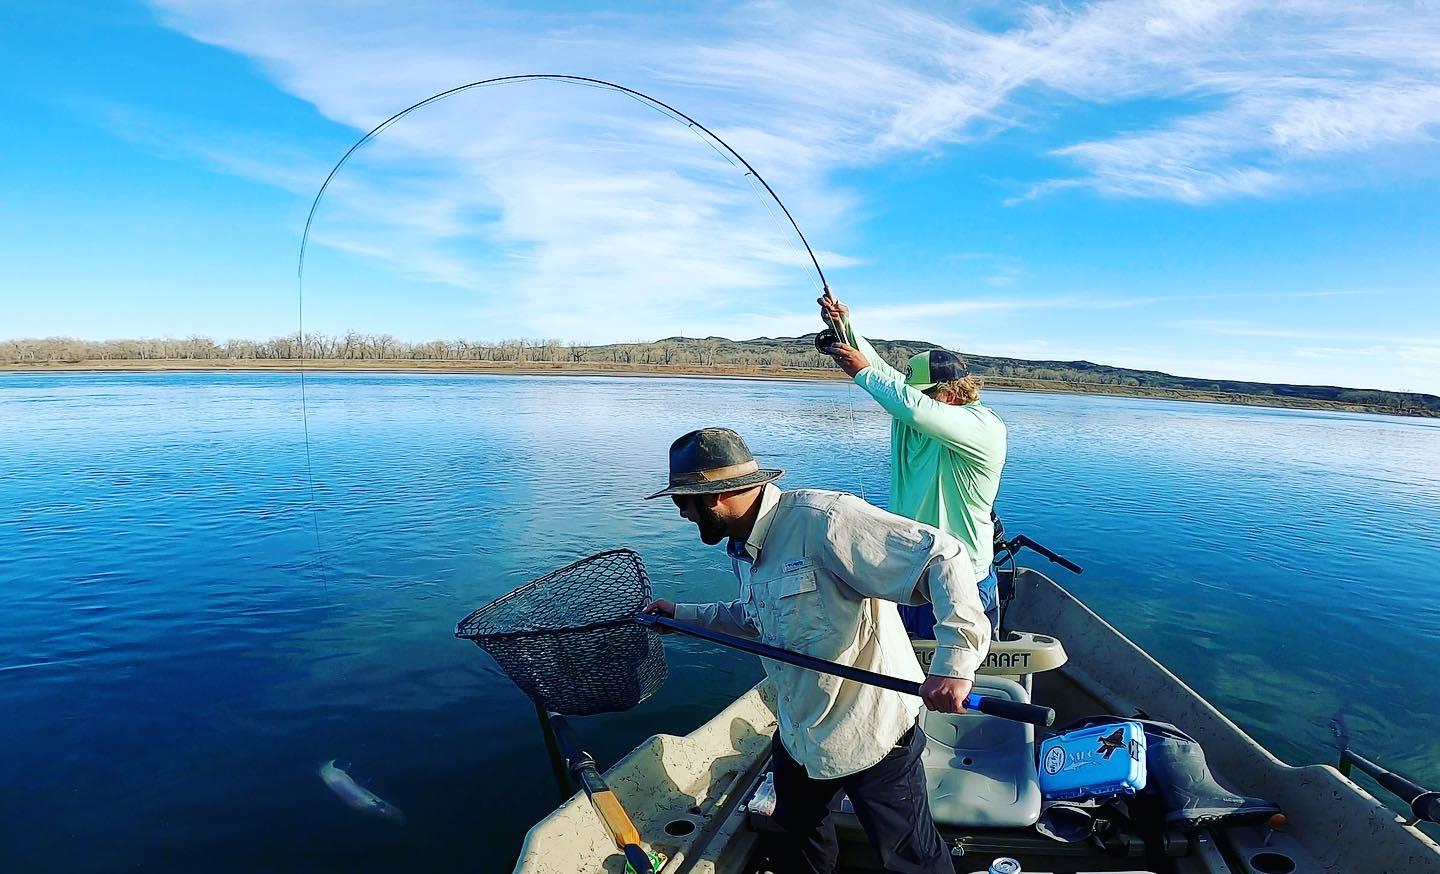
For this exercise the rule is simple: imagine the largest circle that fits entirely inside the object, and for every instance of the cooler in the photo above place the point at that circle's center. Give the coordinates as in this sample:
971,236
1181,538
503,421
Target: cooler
1096,762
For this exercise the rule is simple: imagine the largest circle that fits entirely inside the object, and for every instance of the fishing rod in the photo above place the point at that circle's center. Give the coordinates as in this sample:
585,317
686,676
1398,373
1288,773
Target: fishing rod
645,99
714,140
587,776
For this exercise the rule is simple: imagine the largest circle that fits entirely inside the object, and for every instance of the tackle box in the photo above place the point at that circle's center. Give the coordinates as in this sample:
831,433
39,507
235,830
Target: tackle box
1096,762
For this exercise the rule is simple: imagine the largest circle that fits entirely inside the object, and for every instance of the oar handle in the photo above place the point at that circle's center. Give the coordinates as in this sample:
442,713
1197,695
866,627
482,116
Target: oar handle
606,802
1424,803
1427,807
1034,714
1022,541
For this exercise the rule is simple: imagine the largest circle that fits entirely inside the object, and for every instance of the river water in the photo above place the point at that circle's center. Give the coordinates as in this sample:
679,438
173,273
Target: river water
190,627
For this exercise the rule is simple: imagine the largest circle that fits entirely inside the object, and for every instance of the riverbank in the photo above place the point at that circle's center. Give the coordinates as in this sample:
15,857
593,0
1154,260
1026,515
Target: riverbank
604,368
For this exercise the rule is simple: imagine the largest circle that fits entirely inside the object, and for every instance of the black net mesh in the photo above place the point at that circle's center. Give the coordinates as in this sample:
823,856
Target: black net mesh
569,639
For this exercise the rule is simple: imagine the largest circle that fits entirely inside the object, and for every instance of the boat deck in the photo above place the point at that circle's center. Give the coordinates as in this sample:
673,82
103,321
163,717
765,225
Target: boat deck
688,795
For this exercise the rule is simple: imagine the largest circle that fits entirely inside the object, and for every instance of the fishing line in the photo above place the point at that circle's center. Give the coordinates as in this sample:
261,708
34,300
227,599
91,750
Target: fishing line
706,135
854,441
309,467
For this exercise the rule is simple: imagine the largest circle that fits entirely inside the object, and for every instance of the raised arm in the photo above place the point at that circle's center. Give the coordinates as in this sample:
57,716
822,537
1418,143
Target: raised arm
833,311
964,430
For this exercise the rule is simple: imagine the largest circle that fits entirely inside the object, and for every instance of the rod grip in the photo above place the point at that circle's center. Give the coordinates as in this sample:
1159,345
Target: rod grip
616,820
606,803
1034,714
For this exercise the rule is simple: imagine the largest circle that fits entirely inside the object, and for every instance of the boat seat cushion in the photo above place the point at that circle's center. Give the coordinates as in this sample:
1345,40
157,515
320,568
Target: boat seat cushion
981,769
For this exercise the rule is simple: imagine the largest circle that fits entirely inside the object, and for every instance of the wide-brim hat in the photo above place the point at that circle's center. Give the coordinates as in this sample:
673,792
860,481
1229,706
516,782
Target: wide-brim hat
925,370
713,460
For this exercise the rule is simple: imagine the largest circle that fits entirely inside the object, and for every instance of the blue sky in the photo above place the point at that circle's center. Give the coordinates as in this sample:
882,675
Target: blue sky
1224,189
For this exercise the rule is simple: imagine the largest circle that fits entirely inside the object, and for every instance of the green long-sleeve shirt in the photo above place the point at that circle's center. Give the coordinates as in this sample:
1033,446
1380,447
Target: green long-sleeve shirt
945,459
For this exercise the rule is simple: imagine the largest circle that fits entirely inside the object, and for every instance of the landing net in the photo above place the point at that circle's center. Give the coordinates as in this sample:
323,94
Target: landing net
569,639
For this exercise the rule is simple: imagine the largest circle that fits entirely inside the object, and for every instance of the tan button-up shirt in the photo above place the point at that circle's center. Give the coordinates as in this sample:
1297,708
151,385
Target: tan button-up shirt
820,573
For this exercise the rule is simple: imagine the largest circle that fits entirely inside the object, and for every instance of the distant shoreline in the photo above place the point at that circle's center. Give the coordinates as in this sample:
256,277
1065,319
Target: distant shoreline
781,374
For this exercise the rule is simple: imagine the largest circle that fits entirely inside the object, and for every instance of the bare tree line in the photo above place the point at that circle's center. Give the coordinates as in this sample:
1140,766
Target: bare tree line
356,346
677,352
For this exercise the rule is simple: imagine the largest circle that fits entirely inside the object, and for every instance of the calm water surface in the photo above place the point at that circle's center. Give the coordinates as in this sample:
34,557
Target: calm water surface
176,659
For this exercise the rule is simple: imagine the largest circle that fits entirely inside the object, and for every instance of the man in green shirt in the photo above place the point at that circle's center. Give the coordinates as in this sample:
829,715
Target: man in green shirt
946,448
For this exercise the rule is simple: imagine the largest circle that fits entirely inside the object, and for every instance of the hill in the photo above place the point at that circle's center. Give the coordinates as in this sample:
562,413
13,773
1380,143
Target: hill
1000,371
761,356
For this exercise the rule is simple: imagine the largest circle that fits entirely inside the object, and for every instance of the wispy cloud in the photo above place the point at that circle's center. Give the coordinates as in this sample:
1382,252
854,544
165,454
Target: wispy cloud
579,210
246,154
1284,86
919,312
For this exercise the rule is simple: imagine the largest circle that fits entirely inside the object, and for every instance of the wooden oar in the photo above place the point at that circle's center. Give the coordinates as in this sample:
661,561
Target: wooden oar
1034,714
606,802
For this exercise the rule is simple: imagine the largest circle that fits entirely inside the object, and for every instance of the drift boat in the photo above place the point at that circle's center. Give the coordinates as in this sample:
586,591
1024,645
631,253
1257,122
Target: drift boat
700,800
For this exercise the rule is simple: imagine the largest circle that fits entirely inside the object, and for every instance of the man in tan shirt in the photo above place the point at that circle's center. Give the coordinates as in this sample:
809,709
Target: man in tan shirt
820,572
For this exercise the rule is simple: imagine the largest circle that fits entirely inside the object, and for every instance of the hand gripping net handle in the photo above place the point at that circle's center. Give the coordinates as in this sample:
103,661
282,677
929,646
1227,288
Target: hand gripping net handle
569,639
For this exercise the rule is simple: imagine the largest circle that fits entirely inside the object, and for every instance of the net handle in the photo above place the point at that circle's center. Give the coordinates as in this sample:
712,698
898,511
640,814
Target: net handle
1034,714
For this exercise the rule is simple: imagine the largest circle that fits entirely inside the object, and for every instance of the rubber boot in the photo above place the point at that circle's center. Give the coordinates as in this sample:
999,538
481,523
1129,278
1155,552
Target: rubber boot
1175,766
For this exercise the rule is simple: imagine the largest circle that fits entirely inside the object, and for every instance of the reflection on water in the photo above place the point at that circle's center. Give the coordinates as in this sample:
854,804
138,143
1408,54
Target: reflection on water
177,659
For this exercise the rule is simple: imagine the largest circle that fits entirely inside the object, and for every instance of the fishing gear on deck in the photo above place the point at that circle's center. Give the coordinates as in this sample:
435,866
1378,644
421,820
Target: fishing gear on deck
612,813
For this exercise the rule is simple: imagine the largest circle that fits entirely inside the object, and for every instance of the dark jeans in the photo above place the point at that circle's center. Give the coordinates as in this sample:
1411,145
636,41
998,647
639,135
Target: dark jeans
890,802
920,621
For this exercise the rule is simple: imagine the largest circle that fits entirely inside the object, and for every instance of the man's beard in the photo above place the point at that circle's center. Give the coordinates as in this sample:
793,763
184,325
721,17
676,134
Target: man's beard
712,530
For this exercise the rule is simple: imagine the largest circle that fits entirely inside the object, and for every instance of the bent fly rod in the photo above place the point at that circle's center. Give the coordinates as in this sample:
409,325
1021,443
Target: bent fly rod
660,106
706,134
714,140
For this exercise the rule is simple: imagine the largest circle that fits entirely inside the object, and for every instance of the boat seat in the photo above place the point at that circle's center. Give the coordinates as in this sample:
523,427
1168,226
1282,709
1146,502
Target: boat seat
1018,653
981,769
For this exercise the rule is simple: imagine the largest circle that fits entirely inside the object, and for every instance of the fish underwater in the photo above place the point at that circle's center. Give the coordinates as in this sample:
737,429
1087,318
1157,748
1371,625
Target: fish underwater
357,796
